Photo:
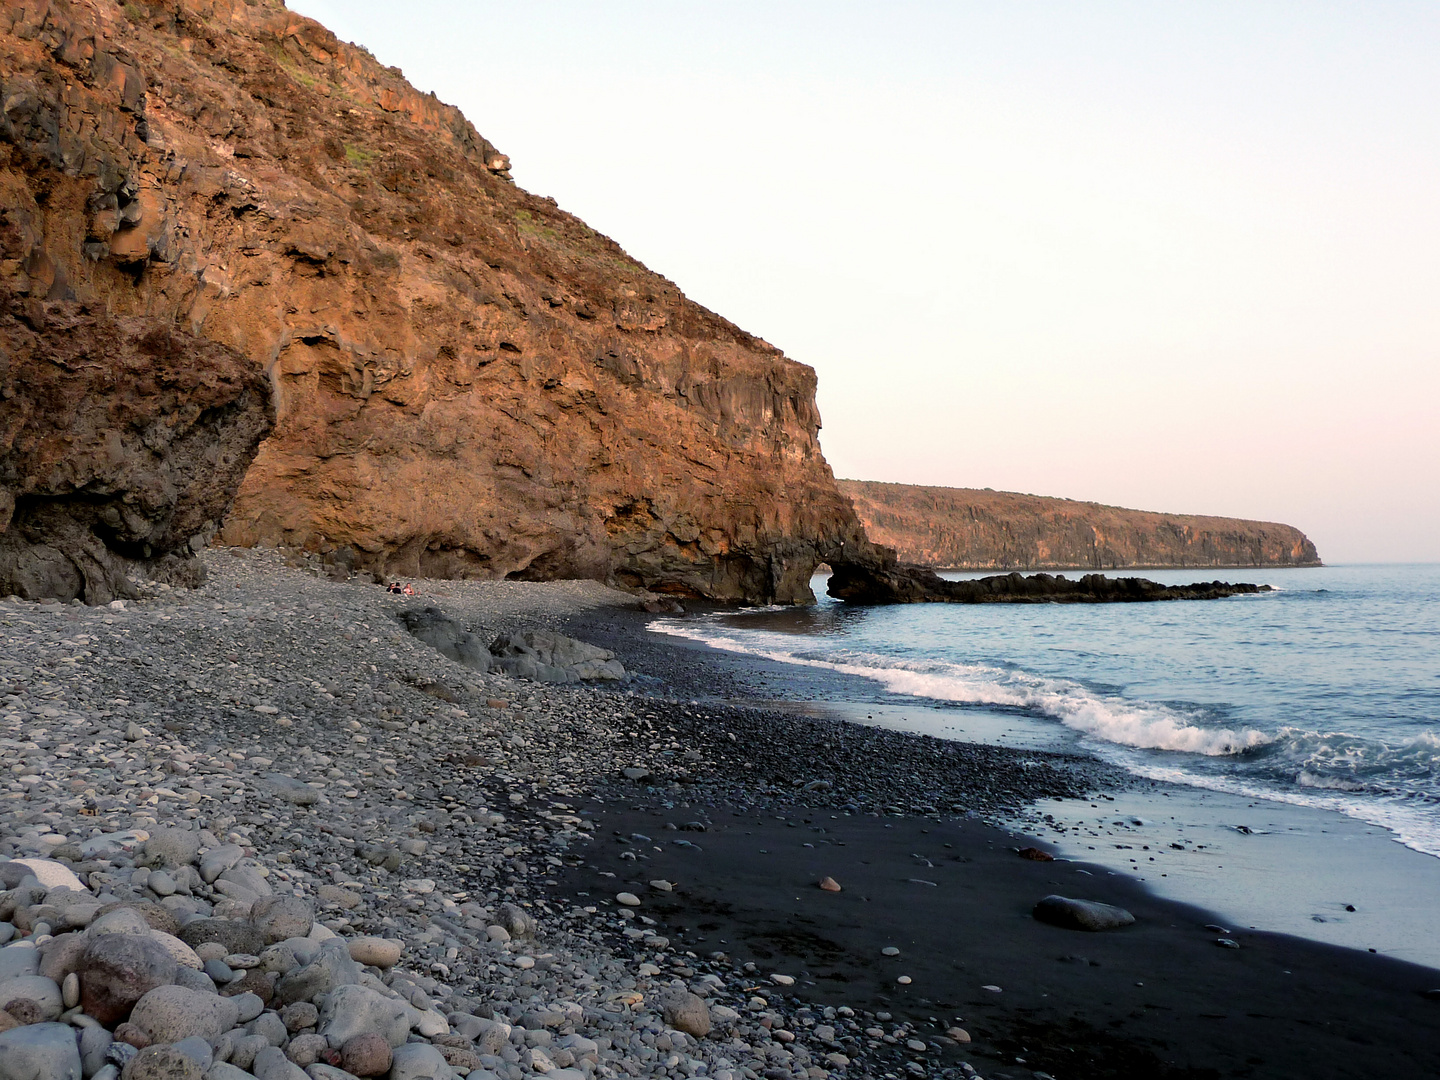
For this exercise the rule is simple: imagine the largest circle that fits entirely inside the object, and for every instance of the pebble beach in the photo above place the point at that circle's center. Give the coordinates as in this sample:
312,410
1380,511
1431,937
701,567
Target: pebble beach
260,829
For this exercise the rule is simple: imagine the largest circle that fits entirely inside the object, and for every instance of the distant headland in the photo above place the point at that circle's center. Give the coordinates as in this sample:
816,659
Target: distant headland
974,529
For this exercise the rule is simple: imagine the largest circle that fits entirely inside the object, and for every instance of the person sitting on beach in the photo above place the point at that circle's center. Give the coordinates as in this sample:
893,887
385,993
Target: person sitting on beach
394,588
409,589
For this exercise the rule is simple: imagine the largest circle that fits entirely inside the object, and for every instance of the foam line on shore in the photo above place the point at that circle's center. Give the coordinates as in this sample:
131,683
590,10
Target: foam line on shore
1137,724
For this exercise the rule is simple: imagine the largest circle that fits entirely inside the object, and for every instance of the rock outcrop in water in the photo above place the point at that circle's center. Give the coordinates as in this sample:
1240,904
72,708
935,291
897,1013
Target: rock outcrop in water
969,529
469,381
122,443
871,583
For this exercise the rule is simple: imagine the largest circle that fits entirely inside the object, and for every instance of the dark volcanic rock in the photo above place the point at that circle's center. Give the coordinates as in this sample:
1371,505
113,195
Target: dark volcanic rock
879,583
122,444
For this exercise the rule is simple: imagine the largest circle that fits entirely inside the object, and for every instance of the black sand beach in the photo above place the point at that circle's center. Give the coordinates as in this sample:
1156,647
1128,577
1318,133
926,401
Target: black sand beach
1156,999
1160,998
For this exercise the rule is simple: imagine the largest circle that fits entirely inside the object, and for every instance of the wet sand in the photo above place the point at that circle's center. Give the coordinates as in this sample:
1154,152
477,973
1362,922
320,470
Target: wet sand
1156,999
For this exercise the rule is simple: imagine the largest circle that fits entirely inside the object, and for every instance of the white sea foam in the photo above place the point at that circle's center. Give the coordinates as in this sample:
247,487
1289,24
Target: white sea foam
1413,825
1109,718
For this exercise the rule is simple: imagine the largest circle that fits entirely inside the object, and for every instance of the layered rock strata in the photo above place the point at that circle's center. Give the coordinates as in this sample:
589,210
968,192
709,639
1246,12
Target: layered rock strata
469,381
969,529
122,443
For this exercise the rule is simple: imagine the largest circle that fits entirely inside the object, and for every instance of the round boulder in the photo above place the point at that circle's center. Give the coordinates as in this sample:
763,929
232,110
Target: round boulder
117,970
117,919
355,1010
171,1013
162,1063
418,1061
517,921
172,847
375,951
306,1050
1081,914
39,1052
281,917
237,935
688,1013
31,998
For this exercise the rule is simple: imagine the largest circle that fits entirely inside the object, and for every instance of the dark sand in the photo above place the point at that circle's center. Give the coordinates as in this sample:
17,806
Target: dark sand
1157,999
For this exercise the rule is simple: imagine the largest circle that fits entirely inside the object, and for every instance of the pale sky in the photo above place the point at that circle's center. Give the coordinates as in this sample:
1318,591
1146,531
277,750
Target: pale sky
1179,256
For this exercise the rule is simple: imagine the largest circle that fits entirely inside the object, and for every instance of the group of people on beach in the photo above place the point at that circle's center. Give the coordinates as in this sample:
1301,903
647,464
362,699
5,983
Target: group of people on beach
396,588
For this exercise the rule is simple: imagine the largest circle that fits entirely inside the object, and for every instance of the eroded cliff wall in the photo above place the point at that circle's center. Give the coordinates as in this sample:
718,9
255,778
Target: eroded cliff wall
468,380
965,528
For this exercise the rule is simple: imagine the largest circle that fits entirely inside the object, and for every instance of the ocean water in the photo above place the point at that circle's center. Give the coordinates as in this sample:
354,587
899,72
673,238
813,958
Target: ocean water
1324,693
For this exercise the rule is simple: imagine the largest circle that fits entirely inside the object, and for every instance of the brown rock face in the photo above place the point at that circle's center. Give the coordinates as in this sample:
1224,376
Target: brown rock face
122,443
469,381
967,529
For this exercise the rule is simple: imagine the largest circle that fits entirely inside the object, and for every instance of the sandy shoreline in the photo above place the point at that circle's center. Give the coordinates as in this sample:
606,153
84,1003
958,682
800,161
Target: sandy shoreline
434,807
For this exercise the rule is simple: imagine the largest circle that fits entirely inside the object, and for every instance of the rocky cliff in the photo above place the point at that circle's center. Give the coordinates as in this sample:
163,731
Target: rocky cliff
468,380
122,443
963,528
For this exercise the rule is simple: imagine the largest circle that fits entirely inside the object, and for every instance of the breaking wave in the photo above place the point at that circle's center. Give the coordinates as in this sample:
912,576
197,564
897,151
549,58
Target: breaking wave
1110,718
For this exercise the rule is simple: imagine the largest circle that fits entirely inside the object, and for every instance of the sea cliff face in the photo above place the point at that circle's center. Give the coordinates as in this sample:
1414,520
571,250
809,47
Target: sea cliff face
964,528
468,381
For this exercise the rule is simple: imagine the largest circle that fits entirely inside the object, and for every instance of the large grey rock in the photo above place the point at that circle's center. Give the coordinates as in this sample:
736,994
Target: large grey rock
124,920
198,1049
183,954
493,1036
375,951
291,790
247,875
244,1049
281,917
94,1045
117,970
518,922
61,955
223,1070
237,935
172,847
171,1013
546,657
250,1006
39,1052
306,1049
217,860
194,980
48,872
688,1013
332,968
272,1064
162,1063
16,960
419,1061
352,1010
448,637
42,992
299,1016
107,845
1081,914
270,1027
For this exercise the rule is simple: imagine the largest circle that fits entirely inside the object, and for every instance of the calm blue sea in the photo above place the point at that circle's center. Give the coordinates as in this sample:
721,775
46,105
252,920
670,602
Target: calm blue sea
1325,692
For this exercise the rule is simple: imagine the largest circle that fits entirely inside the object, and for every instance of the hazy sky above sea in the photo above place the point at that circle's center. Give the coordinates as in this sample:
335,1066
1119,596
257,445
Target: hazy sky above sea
1179,256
